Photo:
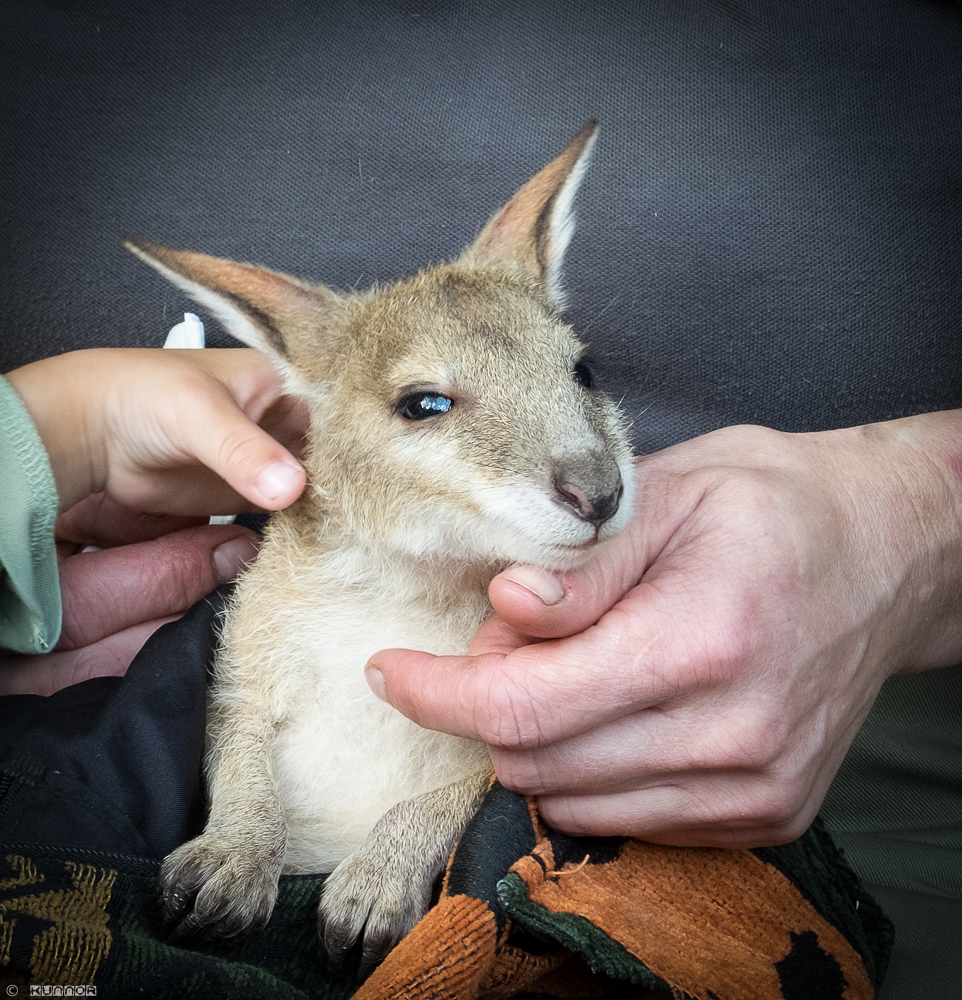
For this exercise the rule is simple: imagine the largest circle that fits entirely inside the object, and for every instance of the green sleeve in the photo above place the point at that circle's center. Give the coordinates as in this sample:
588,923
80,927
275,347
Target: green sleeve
30,611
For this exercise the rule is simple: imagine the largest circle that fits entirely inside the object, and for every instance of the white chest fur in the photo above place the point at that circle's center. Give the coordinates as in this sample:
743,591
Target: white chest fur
339,757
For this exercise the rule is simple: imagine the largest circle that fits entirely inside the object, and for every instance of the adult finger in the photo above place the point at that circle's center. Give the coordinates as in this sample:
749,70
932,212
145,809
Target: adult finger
727,809
678,816
718,784
539,693
108,591
539,603
546,604
102,521
49,673
715,734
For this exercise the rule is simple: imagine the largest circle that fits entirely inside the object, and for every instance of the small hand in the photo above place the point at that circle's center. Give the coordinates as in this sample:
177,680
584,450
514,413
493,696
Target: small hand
167,432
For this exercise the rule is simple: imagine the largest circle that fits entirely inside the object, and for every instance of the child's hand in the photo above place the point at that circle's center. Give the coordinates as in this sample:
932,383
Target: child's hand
152,442
149,571
167,432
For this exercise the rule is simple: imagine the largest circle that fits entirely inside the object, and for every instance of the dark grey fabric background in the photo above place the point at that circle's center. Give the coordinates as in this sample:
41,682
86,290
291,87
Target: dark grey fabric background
770,232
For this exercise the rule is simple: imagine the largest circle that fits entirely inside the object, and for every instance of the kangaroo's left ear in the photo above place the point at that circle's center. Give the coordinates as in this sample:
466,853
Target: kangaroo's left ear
533,230
273,312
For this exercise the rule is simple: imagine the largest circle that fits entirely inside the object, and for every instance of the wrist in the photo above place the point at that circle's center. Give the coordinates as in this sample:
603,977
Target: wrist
66,425
901,485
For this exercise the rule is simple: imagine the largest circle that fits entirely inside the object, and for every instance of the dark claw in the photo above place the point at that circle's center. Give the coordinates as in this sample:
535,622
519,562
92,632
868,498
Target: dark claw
212,892
340,942
376,948
362,942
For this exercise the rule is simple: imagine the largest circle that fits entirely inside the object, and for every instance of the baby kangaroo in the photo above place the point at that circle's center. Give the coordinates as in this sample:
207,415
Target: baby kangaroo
455,429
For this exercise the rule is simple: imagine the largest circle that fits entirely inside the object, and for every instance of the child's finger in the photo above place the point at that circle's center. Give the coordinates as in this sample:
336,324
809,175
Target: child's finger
246,457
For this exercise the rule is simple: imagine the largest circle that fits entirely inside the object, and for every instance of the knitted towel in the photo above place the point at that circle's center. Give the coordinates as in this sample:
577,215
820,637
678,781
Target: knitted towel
524,912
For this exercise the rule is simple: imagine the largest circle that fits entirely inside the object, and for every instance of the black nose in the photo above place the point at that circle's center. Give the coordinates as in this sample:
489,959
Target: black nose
595,510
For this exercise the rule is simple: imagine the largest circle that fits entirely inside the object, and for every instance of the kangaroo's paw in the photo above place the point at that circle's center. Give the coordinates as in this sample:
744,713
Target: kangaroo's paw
374,899
217,886
378,893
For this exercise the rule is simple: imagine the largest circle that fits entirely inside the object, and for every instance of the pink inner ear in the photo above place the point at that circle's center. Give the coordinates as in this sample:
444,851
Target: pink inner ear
517,233
261,289
514,235
266,298
257,305
509,235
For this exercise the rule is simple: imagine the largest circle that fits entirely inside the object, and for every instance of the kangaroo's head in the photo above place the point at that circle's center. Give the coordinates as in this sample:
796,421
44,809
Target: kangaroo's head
453,414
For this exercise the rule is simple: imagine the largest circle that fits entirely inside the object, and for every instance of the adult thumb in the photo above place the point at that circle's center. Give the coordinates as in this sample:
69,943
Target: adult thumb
545,604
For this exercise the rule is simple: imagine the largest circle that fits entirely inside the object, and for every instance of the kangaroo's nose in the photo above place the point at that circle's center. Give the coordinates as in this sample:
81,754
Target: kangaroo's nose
595,510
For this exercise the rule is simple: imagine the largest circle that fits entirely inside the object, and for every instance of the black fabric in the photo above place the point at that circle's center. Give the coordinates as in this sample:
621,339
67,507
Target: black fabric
113,764
481,861
770,231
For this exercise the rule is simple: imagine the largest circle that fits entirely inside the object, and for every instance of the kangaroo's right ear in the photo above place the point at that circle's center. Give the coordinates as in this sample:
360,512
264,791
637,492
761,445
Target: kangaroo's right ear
259,307
533,230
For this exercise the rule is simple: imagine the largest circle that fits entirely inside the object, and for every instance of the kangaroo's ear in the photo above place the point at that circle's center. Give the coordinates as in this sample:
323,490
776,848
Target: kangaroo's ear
262,308
533,230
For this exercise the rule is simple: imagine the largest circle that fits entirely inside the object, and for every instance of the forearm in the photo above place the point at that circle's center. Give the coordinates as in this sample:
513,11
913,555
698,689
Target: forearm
900,483
30,609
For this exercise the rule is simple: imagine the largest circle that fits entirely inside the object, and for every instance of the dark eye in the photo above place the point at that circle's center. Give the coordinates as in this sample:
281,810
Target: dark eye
583,375
421,405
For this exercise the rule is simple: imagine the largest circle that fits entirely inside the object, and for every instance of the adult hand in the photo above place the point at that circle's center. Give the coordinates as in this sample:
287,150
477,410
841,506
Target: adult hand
148,570
167,432
717,658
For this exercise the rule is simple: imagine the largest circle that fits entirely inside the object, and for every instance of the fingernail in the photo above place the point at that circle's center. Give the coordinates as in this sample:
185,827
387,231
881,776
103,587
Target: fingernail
278,480
233,557
544,585
375,681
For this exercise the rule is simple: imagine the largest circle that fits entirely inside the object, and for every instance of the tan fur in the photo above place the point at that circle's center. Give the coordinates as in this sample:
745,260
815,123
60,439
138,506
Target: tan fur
402,526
